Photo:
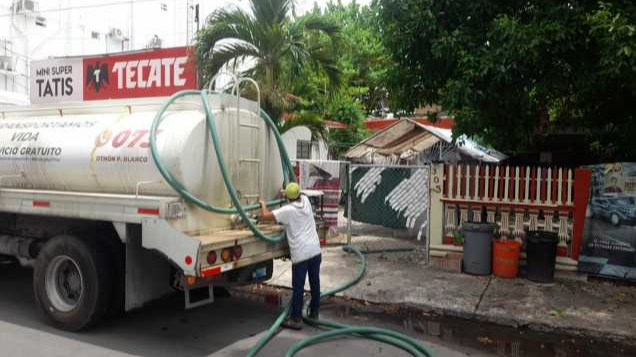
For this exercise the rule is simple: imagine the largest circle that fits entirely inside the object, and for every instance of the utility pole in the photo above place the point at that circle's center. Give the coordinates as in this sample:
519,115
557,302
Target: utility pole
131,43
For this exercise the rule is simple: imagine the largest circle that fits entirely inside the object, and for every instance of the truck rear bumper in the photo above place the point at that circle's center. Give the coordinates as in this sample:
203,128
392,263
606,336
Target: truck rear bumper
222,268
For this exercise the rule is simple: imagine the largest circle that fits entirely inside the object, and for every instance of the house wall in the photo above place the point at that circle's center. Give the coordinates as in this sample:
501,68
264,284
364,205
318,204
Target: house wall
291,137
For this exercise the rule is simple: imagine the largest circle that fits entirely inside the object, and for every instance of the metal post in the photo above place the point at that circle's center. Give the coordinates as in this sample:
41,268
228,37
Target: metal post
349,193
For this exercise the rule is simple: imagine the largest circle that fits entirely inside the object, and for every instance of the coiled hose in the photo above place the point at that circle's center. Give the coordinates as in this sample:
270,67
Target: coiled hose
401,341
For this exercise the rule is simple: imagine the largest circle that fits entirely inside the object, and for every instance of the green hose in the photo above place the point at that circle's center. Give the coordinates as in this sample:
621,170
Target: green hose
188,196
390,337
401,341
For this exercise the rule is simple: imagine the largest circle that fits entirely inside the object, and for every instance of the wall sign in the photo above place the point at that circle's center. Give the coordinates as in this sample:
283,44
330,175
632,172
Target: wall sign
143,74
56,80
151,73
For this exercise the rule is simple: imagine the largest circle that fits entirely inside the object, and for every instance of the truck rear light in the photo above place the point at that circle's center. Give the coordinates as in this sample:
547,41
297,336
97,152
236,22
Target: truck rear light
148,211
211,257
237,251
191,280
41,203
226,255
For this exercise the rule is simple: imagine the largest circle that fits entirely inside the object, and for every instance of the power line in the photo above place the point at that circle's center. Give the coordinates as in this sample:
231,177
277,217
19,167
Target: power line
86,6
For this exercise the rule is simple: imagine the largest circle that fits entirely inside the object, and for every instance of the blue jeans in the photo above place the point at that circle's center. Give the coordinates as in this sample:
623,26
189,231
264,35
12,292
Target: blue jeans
299,271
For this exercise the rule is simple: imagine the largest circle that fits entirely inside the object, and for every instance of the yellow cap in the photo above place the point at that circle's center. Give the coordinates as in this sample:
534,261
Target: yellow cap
292,191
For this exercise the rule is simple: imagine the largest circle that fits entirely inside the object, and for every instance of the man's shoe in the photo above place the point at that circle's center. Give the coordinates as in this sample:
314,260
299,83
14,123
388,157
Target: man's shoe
294,323
314,315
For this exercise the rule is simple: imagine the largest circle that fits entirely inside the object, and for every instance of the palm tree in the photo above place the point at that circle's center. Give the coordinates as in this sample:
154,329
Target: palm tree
282,47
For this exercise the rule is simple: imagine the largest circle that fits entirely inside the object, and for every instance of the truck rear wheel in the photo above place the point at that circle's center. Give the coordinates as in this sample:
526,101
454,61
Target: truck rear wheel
72,282
7,260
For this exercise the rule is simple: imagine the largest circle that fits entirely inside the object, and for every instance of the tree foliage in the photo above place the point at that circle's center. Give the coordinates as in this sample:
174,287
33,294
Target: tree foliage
279,45
345,109
328,64
363,59
512,71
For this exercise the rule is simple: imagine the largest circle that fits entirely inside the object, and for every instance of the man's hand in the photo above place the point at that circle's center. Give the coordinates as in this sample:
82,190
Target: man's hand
266,214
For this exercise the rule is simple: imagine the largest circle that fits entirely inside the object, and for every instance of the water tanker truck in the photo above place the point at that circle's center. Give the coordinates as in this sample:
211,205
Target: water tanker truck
84,202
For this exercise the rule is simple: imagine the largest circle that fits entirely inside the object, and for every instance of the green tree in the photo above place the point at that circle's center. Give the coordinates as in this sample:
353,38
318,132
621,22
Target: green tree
363,60
278,43
512,71
348,110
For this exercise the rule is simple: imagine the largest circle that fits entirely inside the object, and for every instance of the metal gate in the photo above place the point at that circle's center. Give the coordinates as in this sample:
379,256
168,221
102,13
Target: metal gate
387,206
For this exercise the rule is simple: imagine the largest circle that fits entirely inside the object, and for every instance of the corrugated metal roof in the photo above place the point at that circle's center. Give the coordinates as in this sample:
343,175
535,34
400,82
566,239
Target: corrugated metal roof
467,146
406,138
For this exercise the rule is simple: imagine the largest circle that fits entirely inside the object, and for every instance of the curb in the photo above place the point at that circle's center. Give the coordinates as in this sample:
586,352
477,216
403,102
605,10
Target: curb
279,296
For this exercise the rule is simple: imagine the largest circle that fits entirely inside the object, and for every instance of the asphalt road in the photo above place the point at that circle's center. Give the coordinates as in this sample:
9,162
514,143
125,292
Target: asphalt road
229,327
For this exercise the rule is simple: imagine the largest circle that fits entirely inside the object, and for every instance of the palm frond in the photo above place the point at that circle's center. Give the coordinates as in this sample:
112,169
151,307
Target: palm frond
323,58
224,54
227,27
271,12
231,23
309,119
324,25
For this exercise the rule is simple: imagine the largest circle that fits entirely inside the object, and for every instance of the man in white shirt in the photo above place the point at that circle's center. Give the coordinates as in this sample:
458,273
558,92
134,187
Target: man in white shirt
304,246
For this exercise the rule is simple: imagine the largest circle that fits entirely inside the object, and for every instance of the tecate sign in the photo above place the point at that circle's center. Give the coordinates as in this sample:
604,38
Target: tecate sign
141,74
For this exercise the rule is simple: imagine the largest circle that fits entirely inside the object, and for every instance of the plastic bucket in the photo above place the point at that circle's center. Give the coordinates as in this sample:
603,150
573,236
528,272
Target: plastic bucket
478,247
505,258
541,252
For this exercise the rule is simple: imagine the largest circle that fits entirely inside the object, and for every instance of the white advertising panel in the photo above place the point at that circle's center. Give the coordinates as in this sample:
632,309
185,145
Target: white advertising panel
57,80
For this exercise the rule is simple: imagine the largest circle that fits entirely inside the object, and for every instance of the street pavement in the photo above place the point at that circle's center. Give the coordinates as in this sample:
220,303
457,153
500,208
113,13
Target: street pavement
570,306
229,327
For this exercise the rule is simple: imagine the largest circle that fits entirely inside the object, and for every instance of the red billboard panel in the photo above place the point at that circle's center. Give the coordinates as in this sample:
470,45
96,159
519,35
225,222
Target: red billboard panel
151,73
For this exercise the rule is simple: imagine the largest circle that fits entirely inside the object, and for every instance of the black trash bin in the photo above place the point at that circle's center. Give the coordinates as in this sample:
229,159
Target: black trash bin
478,247
541,251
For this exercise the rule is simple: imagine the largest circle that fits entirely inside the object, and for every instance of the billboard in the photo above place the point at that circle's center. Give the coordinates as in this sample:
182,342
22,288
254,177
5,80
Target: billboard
152,73
609,238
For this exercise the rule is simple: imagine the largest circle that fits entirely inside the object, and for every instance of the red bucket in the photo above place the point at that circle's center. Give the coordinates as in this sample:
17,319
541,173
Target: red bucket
506,258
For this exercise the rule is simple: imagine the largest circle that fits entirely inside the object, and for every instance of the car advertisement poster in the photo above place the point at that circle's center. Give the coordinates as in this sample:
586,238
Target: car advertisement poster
609,238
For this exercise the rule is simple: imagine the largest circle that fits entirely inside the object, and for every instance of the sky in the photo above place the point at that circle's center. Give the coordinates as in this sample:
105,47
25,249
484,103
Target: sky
143,18
302,5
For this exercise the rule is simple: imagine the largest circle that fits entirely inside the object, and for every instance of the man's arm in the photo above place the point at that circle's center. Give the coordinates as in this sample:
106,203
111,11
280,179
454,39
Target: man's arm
266,214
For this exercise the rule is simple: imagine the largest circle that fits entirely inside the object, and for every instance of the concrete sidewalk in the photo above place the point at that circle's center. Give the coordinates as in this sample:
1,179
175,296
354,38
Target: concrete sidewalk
571,305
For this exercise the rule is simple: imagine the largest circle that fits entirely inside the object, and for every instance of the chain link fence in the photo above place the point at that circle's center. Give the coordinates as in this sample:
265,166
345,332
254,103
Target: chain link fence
377,208
387,208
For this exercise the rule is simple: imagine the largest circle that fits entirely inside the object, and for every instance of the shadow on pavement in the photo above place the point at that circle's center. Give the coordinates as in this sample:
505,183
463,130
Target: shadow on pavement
163,328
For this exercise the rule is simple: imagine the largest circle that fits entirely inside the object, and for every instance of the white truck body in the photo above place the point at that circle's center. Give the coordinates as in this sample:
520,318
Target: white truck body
85,166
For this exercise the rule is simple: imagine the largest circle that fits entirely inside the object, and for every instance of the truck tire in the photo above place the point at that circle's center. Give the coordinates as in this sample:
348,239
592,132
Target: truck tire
117,255
72,282
7,260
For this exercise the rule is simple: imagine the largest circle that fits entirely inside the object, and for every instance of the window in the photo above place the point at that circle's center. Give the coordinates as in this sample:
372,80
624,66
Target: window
303,149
